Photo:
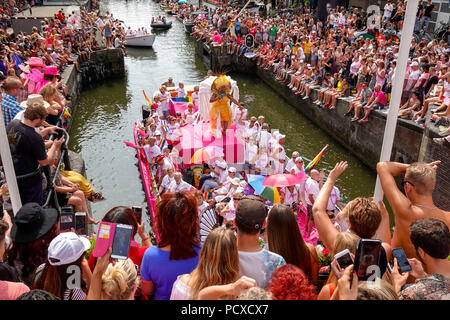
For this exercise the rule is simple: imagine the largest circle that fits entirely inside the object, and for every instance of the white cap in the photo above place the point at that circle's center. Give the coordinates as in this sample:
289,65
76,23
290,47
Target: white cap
298,159
232,169
157,133
280,136
212,174
236,181
414,64
67,247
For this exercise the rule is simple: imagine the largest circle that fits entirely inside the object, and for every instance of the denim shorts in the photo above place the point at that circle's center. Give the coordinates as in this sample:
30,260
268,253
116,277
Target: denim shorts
248,166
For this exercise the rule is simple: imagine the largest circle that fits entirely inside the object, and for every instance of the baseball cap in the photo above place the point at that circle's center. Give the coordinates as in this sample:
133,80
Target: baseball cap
232,169
414,64
157,133
298,159
251,213
67,247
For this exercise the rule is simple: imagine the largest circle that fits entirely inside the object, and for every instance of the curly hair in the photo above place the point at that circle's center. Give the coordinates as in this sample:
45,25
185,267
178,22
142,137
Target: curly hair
364,217
177,224
289,282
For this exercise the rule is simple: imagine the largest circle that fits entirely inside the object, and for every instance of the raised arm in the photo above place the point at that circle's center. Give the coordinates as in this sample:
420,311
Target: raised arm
326,229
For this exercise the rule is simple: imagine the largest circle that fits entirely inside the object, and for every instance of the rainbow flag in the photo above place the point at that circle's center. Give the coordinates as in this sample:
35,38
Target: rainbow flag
311,165
67,118
162,143
146,98
209,195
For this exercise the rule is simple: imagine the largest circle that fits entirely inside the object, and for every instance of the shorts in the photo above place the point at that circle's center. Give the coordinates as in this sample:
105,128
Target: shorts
309,212
248,166
378,106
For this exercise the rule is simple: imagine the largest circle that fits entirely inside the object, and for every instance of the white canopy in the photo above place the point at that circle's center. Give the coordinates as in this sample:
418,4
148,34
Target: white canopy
205,95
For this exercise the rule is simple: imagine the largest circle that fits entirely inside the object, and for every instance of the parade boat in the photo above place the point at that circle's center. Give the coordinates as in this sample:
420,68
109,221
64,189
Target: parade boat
162,25
140,41
188,25
195,137
148,182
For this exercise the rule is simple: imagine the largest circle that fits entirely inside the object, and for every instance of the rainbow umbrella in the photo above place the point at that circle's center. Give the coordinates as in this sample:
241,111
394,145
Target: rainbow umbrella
315,160
270,193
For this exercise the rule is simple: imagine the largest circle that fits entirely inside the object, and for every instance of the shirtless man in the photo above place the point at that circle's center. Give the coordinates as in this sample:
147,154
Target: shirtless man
418,183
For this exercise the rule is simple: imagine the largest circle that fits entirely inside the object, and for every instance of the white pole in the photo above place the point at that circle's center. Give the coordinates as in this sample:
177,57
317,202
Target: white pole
8,166
397,89
240,11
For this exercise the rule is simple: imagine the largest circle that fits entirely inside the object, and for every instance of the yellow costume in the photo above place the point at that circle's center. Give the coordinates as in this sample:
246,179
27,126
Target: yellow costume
75,177
221,87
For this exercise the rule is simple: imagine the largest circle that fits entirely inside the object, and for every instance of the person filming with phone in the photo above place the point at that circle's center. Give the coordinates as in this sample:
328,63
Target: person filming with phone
431,240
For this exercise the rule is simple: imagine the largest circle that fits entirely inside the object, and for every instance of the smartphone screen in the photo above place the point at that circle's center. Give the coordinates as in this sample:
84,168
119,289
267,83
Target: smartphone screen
80,223
402,260
122,240
137,213
368,255
344,260
66,221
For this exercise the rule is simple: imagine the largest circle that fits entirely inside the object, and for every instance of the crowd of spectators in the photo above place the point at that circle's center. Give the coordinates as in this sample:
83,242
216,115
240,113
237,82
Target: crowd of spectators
341,54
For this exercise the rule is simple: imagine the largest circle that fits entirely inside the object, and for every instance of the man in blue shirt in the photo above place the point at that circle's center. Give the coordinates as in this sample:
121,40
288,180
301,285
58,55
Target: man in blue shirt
10,106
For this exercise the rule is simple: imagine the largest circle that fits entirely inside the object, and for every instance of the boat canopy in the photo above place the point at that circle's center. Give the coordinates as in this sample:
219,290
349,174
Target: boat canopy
205,95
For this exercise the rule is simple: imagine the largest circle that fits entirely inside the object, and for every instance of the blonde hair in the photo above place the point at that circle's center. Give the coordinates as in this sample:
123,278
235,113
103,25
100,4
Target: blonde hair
255,293
119,280
345,240
376,290
422,176
218,263
47,91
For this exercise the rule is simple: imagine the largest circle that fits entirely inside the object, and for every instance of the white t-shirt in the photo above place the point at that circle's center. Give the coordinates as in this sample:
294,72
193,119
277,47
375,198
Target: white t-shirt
414,75
100,23
250,151
291,197
151,151
183,186
181,92
195,99
166,181
263,138
190,116
311,187
334,197
388,8
290,165
164,104
259,265
250,131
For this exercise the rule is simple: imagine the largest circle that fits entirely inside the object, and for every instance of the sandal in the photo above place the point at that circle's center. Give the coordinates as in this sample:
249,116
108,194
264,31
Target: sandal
98,196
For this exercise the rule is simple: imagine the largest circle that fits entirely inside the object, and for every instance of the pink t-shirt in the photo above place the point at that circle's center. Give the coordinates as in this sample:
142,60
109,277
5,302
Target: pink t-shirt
380,96
12,290
217,38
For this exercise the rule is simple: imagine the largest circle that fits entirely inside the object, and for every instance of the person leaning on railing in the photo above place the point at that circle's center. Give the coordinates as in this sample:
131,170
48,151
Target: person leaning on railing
28,151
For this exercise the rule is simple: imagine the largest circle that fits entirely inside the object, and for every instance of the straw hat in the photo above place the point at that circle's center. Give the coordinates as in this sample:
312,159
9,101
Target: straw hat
32,99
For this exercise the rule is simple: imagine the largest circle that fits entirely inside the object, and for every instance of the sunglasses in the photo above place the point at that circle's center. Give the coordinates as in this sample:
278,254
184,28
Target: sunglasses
405,182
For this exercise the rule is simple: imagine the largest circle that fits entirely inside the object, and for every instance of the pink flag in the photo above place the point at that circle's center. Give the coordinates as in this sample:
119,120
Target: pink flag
129,144
142,133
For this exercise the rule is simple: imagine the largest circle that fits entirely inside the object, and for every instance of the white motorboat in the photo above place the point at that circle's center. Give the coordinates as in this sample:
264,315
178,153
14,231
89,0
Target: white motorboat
140,41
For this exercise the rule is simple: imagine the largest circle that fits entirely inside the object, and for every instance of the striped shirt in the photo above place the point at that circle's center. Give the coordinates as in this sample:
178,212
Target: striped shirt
10,107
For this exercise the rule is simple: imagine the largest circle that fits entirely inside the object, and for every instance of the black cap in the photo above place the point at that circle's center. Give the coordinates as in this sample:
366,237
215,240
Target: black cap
251,213
32,222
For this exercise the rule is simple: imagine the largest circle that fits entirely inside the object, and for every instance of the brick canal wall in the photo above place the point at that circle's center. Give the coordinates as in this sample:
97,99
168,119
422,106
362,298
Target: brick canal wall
412,142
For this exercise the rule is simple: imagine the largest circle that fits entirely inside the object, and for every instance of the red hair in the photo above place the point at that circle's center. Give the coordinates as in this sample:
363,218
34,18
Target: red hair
289,282
177,224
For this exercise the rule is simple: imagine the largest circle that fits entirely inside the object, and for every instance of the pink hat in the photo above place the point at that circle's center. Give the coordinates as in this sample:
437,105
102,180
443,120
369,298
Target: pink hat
35,62
51,70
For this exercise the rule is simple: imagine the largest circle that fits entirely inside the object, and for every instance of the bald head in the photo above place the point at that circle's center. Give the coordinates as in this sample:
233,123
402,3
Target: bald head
314,174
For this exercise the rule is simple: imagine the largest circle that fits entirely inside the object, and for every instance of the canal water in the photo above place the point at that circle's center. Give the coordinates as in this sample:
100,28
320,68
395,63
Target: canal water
106,112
